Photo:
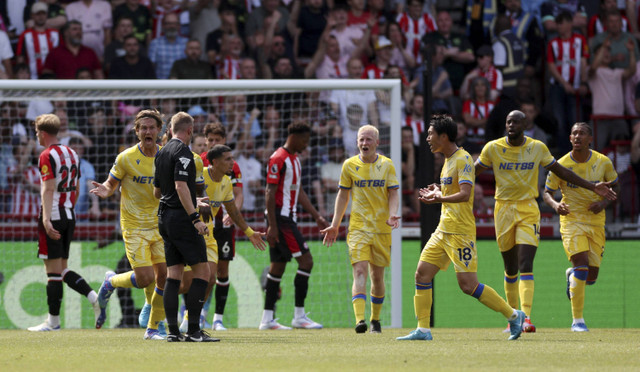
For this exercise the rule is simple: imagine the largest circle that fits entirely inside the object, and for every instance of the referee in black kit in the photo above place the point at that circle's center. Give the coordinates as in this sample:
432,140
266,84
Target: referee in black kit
181,228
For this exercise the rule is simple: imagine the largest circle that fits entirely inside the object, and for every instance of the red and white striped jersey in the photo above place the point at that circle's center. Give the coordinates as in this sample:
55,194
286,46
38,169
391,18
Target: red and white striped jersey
414,29
372,71
478,111
26,202
36,46
62,164
158,16
417,124
284,170
494,76
567,55
229,68
596,27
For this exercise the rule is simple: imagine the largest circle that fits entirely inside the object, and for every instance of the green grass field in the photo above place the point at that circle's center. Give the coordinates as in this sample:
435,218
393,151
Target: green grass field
329,349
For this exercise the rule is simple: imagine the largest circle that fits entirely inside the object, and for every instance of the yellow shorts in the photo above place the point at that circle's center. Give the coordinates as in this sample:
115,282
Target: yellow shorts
443,248
143,247
368,246
517,222
579,237
212,246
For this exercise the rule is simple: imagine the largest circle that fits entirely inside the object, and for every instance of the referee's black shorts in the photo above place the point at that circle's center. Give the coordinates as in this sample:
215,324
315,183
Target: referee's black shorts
182,243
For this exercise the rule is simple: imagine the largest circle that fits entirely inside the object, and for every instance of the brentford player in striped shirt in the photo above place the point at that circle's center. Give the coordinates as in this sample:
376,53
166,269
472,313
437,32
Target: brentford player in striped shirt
284,190
60,175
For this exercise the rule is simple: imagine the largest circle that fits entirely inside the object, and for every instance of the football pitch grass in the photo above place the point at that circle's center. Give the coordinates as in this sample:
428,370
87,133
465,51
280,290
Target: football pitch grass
334,349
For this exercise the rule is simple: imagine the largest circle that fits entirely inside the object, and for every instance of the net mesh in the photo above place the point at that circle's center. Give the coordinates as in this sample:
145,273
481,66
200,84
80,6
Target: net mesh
98,124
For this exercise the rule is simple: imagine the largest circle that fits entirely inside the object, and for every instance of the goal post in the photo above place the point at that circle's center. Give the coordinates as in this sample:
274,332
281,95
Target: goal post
22,98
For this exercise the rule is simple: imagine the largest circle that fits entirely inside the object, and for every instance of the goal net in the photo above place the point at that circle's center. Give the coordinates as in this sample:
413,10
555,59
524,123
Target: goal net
97,121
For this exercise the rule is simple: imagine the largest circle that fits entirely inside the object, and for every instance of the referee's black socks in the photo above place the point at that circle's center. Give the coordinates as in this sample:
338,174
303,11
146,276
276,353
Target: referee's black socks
170,300
195,301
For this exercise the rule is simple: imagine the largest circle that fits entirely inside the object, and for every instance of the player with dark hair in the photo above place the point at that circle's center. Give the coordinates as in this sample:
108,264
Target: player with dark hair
370,179
60,174
582,217
284,190
133,172
455,237
223,227
181,228
515,160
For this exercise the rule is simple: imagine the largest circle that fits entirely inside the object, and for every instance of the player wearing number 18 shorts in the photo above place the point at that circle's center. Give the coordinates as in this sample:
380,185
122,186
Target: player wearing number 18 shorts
455,237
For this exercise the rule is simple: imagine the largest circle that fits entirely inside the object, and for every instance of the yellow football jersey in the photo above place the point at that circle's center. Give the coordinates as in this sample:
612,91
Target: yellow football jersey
516,167
369,184
457,218
218,192
135,171
597,168
199,168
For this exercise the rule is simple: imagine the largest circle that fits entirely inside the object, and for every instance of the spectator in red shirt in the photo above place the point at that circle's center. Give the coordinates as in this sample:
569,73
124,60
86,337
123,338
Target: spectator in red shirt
65,60
476,110
357,16
485,69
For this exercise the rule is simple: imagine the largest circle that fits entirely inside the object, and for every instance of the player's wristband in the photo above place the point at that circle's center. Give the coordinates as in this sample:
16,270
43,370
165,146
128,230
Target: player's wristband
249,232
194,217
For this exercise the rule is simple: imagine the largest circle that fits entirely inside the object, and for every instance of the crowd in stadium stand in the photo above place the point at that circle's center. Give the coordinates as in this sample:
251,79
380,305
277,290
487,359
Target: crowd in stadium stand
559,61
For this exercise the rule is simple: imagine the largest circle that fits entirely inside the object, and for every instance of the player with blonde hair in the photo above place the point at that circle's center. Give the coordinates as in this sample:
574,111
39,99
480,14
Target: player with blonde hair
370,180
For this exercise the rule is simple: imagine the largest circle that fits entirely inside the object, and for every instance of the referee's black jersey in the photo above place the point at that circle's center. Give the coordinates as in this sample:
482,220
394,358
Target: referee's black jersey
174,162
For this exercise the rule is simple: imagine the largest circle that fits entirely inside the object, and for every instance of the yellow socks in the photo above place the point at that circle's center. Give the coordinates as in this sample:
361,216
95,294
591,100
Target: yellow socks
490,298
526,292
124,280
577,282
511,289
157,308
422,303
376,307
358,305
